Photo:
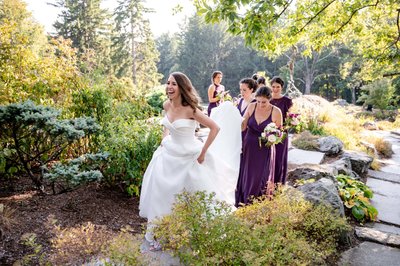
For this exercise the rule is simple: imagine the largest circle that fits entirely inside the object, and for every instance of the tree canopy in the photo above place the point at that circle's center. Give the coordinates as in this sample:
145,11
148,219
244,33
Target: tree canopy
372,27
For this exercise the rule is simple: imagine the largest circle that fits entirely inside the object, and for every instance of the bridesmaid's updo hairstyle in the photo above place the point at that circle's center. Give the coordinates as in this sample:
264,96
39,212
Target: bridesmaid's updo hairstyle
189,94
278,80
214,74
264,91
261,81
250,83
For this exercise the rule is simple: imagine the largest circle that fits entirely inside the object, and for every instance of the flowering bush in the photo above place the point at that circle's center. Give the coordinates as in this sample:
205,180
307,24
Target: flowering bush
271,135
294,122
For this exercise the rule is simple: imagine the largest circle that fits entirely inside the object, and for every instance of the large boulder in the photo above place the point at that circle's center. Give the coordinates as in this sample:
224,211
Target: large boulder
330,145
360,161
343,166
325,192
310,171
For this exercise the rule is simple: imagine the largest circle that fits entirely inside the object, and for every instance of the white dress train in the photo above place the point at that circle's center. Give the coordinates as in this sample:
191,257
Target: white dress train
174,165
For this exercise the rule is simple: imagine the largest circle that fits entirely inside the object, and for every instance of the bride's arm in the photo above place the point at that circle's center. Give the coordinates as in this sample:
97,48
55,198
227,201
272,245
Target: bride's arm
214,129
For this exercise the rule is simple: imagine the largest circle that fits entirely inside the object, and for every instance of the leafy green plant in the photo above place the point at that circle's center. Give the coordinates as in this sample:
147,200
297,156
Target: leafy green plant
314,126
286,230
37,256
124,249
32,136
67,176
130,145
355,195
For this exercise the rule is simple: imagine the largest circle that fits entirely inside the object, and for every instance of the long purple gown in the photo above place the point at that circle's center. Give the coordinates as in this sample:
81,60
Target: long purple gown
281,161
255,164
215,104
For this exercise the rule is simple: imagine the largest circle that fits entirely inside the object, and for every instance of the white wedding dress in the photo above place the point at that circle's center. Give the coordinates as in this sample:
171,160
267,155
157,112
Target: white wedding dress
174,165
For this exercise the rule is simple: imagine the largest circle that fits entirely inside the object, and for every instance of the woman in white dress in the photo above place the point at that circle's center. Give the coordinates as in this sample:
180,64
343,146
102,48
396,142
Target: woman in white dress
182,162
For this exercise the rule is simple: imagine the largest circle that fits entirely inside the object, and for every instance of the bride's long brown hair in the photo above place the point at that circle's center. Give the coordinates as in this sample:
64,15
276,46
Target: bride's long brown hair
189,94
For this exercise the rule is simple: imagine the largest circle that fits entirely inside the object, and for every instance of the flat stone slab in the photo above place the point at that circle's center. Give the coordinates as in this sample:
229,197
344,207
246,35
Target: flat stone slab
392,177
384,228
388,209
374,235
385,188
298,156
159,258
371,254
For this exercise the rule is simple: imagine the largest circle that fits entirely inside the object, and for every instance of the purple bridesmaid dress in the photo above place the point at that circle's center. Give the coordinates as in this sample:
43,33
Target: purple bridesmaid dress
215,104
281,161
255,163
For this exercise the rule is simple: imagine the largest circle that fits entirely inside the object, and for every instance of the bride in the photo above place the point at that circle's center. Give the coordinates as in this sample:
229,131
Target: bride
182,162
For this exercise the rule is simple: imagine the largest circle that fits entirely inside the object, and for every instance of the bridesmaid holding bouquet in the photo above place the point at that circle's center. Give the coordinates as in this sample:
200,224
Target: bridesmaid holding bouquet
257,162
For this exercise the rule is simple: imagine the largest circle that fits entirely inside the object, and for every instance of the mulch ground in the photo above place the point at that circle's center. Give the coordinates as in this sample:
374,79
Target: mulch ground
31,211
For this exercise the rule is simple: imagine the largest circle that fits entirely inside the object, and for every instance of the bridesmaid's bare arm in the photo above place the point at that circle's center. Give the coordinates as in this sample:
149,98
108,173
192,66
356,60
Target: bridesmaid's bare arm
247,114
277,116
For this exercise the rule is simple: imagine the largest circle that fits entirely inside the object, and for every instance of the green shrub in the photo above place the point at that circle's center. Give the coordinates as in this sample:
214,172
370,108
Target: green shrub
124,249
67,176
314,126
286,230
355,195
156,99
32,136
130,145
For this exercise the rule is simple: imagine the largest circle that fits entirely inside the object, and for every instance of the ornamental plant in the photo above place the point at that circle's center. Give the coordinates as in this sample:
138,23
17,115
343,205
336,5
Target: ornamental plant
356,195
33,136
284,230
294,123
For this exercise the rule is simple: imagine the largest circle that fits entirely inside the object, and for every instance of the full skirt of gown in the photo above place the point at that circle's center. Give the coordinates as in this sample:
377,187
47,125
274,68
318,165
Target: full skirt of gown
174,167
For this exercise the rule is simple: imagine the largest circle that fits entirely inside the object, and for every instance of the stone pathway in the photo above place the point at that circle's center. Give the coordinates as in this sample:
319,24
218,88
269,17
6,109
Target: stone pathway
381,244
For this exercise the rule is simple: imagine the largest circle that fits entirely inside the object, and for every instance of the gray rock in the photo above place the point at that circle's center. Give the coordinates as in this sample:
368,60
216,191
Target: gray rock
330,145
342,166
323,191
360,161
341,102
370,254
370,125
378,236
310,171
299,156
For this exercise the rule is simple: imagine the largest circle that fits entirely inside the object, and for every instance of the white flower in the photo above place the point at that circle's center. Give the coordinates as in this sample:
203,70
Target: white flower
272,138
263,134
295,122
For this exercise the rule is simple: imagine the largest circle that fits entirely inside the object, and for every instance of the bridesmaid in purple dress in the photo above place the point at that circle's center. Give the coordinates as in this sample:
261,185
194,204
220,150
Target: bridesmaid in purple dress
255,172
283,103
247,88
215,88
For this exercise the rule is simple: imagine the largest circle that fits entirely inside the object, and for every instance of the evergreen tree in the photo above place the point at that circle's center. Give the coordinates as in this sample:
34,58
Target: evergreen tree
134,52
167,46
85,23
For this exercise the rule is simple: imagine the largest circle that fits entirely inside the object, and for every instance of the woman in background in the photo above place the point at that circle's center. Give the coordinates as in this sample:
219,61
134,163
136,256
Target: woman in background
215,91
283,103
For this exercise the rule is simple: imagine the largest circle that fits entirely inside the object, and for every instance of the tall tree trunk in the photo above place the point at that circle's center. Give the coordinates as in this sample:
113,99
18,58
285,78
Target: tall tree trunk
353,95
133,49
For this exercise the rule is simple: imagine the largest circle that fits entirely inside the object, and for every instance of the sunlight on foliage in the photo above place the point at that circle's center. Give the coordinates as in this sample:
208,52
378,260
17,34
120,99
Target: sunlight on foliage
284,231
